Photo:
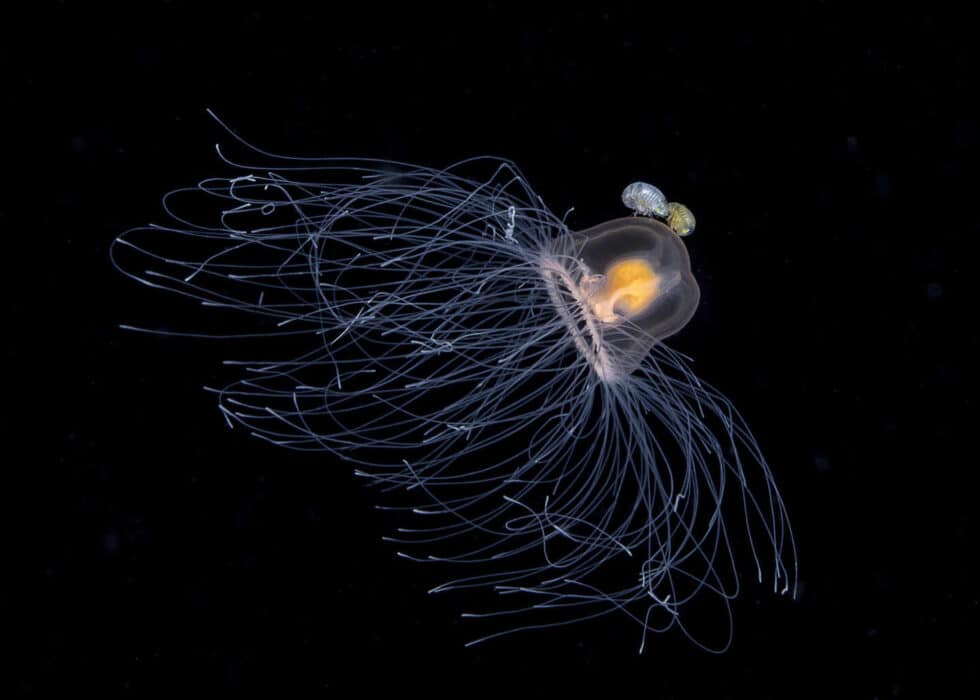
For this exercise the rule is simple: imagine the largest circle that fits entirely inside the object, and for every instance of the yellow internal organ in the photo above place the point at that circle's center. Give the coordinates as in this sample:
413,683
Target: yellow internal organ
631,286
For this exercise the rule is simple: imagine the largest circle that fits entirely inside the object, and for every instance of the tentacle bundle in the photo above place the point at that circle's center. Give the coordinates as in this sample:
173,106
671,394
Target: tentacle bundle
420,341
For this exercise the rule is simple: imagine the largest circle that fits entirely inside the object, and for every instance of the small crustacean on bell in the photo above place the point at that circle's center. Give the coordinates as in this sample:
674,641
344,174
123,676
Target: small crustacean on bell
680,219
645,199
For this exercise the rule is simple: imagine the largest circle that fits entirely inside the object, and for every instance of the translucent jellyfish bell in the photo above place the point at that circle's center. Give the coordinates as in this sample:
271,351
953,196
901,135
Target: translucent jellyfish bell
622,287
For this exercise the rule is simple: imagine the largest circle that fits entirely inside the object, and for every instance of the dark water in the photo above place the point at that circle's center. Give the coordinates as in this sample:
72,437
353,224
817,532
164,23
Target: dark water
831,161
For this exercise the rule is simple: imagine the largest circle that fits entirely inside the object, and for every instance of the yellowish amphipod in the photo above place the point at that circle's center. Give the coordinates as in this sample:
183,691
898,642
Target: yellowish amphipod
680,219
645,199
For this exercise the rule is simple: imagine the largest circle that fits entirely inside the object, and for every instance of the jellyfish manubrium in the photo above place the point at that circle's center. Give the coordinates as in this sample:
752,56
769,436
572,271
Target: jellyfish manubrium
504,378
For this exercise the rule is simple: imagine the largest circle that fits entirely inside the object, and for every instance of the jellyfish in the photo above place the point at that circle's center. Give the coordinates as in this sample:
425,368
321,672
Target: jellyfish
501,379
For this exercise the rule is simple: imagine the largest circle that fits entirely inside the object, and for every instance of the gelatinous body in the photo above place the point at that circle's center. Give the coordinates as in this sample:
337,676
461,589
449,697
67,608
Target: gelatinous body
502,378
634,288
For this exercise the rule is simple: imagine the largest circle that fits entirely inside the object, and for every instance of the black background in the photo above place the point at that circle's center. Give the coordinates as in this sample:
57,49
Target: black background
831,160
